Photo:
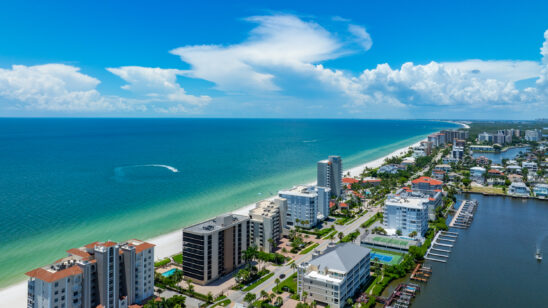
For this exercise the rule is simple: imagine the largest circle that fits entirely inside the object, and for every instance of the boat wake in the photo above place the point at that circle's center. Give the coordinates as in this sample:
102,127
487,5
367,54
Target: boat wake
144,172
170,168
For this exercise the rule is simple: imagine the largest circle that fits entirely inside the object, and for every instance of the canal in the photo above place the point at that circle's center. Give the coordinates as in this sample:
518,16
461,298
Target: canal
492,263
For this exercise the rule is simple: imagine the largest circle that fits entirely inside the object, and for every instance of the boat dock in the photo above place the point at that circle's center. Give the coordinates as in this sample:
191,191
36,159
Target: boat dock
402,296
421,273
441,246
464,215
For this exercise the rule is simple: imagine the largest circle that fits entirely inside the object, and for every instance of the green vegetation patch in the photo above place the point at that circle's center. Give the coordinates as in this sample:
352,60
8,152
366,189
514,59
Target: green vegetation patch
258,282
178,258
290,283
309,249
162,262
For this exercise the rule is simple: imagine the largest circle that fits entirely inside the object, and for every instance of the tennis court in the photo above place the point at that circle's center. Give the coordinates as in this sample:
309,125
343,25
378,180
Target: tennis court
385,257
392,241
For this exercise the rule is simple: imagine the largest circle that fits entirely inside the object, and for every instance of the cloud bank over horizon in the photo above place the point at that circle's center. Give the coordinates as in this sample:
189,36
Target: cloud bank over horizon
282,55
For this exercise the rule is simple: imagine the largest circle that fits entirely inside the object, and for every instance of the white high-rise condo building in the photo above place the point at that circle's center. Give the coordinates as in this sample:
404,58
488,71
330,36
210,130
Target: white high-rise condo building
335,275
406,214
305,204
330,174
108,275
268,222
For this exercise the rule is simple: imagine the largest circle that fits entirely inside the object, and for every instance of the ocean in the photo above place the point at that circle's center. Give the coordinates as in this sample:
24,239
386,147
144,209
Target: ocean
69,182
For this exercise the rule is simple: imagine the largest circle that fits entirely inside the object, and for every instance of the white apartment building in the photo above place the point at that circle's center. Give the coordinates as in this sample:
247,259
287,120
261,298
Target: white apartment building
406,214
305,204
267,223
108,274
335,275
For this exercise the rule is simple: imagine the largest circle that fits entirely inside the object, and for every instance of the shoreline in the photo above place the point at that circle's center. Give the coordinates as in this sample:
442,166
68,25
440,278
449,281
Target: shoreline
170,243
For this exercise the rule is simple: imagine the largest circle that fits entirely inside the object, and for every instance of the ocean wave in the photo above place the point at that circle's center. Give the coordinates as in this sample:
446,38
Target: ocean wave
310,141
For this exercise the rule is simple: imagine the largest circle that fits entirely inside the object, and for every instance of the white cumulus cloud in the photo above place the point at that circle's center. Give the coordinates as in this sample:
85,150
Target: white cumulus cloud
278,42
158,84
56,87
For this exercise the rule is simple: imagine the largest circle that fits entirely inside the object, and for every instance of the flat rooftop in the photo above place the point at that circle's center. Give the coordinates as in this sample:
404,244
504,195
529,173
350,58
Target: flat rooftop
407,202
215,224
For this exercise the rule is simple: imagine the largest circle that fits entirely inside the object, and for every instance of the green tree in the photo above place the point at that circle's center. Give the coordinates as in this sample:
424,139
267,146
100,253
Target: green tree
250,297
340,235
209,297
398,232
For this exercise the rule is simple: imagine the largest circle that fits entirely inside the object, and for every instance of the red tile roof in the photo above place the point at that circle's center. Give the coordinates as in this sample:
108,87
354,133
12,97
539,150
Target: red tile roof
331,204
143,246
343,204
349,180
78,252
48,276
428,180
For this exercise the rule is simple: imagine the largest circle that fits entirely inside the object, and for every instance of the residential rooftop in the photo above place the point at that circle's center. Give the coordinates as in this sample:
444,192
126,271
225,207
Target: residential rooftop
218,223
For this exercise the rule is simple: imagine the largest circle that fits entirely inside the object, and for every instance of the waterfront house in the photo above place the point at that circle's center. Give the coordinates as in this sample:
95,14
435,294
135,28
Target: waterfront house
518,189
477,171
482,160
515,178
391,168
334,275
371,180
495,173
513,169
408,161
540,190
531,166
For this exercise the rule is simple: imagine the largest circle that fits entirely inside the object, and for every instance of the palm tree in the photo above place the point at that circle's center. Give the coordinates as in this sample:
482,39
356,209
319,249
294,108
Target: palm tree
210,297
277,282
189,284
340,235
250,297
271,242
304,296
293,266
264,294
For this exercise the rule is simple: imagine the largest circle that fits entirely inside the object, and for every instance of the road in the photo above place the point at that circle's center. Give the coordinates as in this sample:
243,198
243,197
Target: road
267,286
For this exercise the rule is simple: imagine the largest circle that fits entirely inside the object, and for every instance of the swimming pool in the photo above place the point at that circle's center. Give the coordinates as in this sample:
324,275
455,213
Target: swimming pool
169,273
381,257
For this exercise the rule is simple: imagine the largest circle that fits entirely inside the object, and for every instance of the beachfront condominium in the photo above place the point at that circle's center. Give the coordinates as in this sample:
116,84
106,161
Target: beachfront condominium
306,205
109,275
268,222
215,247
406,214
330,173
335,275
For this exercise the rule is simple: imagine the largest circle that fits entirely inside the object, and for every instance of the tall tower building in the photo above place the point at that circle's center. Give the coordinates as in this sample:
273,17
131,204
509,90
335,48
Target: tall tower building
330,173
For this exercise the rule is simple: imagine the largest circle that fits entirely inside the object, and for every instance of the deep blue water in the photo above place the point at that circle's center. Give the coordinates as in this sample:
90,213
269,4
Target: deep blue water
67,182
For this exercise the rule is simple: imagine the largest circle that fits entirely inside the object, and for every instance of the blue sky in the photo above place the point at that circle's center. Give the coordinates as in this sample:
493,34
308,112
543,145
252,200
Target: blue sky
306,59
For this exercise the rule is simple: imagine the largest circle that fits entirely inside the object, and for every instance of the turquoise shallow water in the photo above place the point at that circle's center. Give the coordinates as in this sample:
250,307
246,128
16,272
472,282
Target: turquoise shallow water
67,182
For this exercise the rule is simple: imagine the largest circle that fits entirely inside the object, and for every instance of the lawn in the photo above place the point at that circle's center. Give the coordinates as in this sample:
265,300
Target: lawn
162,262
258,282
178,258
488,190
290,282
309,249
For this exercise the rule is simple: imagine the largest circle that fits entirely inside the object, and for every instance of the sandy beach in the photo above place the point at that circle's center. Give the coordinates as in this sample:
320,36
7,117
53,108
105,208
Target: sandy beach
171,243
